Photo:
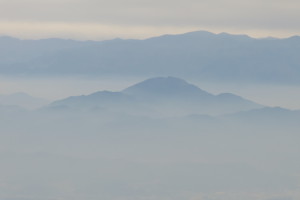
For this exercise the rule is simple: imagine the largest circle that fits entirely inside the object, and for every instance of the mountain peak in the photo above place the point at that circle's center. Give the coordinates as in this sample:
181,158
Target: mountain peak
164,86
160,96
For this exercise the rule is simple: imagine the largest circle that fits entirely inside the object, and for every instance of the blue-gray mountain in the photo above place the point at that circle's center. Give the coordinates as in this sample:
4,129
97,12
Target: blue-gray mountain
204,55
159,96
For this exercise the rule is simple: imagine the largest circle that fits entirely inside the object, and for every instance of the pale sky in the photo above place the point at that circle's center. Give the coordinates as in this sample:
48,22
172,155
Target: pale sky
99,19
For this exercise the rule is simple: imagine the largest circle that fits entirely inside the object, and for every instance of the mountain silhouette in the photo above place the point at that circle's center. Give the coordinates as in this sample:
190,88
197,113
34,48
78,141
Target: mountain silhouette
201,54
166,87
161,95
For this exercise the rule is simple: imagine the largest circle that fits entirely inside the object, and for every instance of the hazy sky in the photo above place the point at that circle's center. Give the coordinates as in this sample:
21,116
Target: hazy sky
99,19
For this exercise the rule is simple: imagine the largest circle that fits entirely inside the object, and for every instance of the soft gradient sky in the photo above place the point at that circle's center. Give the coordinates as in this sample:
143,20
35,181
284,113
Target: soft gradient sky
99,19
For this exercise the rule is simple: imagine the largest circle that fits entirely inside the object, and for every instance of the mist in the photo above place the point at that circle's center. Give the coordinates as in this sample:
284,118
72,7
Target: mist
122,151
196,116
74,155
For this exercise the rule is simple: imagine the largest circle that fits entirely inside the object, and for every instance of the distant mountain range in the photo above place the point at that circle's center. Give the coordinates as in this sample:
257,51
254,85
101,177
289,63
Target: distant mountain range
203,55
162,96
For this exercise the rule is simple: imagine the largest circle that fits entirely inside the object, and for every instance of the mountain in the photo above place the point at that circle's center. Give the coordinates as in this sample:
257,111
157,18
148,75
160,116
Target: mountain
99,99
166,87
160,96
16,55
200,54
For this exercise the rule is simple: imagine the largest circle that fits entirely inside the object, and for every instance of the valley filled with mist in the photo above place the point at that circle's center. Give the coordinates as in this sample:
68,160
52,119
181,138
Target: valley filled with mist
197,116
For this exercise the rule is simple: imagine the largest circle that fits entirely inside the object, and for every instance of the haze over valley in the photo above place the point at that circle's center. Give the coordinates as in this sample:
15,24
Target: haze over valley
196,116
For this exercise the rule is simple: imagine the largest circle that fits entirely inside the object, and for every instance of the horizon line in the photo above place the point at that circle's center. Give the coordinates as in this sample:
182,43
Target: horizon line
146,38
